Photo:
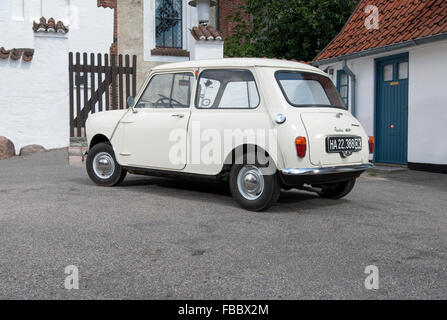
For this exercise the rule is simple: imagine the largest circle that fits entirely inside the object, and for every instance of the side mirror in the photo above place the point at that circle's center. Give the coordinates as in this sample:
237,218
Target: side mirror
131,103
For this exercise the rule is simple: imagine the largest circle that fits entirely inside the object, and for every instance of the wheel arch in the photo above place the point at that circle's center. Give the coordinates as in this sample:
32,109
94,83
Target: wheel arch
242,149
98,138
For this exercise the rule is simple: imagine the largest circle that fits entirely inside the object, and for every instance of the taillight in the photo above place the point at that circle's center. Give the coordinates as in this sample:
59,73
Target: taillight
371,144
301,146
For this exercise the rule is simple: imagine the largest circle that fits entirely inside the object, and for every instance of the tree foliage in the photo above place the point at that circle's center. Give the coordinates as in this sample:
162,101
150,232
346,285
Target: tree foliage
288,29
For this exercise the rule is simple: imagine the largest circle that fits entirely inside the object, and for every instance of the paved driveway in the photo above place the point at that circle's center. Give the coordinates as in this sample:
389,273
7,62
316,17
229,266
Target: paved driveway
160,238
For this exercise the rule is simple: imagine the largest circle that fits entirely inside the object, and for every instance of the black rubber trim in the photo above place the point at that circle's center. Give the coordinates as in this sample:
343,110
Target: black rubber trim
299,180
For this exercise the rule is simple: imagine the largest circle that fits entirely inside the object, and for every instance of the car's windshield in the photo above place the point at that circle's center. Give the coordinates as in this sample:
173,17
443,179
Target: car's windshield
308,90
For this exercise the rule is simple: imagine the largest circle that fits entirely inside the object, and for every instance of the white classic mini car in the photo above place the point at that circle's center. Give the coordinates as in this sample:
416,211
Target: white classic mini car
258,124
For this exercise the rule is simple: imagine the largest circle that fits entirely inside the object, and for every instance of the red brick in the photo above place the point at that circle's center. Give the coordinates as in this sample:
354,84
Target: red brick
228,8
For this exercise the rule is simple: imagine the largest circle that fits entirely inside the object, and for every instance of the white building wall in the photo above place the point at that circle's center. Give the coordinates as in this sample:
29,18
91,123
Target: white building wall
205,50
92,27
427,123
34,105
427,98
33,100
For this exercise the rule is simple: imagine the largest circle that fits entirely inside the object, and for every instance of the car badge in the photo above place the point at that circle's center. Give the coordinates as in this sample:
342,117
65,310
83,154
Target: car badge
345,154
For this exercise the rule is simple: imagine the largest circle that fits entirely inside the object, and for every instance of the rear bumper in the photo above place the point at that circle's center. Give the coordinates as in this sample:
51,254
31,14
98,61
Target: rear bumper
297,177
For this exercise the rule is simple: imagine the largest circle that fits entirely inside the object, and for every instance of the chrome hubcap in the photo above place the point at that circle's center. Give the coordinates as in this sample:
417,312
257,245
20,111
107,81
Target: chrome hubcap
103,165
250,182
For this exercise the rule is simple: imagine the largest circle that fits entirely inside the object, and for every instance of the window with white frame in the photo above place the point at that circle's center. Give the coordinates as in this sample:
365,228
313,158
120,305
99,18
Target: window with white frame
168,23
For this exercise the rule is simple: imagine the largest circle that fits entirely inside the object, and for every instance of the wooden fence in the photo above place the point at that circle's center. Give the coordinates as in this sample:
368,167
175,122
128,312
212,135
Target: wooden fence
96,87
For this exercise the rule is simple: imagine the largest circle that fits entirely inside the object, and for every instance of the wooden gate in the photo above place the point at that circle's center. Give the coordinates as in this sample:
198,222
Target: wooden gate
95,87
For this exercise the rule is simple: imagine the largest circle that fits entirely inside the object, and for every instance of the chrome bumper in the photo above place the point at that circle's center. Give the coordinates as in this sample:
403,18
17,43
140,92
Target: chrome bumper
328,170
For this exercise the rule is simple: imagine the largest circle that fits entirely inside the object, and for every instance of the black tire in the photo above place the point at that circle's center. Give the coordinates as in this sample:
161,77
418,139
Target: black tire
337,190
266,198
118,174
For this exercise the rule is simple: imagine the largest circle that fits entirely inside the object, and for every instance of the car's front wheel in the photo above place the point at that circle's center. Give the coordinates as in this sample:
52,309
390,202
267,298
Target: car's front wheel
252,189
102,166
337,190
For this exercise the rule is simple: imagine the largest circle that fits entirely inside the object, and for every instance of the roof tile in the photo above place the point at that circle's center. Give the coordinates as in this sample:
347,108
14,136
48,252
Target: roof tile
399,21
50,26
15,54
206,33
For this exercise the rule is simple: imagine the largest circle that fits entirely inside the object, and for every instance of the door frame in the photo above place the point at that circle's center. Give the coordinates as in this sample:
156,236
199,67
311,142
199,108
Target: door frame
377,62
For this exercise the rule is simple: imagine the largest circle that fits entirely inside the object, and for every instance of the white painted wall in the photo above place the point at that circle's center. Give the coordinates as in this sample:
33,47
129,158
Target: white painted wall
427,98
204,50
92,26
427,123
34,99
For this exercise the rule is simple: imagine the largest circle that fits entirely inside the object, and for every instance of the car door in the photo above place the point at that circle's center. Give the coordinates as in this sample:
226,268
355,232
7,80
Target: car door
153,135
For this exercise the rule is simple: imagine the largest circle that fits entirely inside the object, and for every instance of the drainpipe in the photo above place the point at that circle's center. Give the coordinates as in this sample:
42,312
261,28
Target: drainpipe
352,77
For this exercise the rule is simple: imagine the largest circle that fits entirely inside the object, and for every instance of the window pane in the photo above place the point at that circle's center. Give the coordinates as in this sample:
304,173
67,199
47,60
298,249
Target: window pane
403,70
159,33
253,95
309,89
208,89
177,34
388,72
157,93
227,89
240,95
305,92
343,79
169,40
344,92
168,31
181,91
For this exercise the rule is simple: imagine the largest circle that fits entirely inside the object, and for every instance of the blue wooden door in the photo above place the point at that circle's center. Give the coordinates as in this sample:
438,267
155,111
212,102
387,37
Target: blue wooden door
392,110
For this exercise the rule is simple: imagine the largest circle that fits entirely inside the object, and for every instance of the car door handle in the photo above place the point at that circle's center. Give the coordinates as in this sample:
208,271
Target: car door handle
178,116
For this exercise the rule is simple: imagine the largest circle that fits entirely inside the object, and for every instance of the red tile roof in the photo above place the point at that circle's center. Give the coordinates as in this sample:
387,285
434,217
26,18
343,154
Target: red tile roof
399,21
15,54
50,26
206,33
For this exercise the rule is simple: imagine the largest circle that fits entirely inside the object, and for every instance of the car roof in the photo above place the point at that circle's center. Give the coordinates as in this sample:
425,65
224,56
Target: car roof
240,62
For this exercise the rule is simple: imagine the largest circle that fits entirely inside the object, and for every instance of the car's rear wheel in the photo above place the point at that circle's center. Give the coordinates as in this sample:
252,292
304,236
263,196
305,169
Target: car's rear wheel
102,166
337,190
252,189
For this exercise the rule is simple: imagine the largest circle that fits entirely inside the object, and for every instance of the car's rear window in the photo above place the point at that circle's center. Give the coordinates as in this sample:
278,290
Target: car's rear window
308,90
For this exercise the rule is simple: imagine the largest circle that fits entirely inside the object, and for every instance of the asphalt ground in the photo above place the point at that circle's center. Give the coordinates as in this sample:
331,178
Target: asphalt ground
155,238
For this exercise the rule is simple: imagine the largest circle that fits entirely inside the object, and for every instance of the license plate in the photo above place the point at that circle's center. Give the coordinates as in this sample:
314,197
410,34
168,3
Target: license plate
340,144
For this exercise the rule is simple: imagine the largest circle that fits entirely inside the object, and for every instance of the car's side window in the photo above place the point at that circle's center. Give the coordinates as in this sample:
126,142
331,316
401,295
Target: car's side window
227,89
208,92
170,90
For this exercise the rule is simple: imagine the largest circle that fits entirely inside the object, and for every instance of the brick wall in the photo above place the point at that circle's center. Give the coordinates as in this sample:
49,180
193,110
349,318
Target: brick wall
112,4
227,8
